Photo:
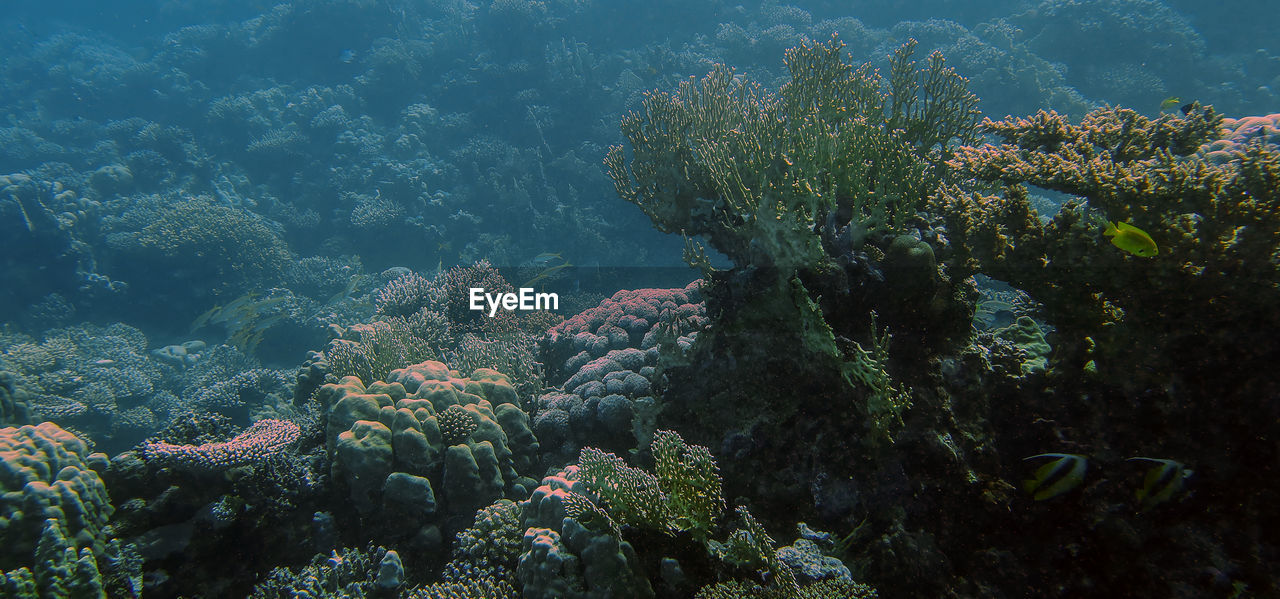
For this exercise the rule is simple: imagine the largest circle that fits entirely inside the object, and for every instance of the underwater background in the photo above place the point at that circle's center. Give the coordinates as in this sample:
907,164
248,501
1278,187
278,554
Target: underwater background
882,298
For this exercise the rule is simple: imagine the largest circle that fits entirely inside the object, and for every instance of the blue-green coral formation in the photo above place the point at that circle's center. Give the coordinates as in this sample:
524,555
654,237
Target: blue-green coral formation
371,138
813,192
96,380
428,447
346,574
418,319
54,510
759,174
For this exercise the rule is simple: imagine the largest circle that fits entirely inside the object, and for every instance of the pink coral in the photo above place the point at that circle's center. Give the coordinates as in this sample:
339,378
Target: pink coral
634,311
260,441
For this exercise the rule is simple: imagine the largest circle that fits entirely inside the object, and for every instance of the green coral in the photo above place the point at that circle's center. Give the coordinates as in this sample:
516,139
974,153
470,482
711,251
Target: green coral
370,351
224,247
751,546
758,174
689,475
886,400
1217,227
683,496
634,497
475,455
1029,337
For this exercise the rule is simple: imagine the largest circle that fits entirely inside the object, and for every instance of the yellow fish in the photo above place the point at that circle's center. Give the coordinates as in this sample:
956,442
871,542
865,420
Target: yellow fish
1063,474
1131,239
1170,102
1163,482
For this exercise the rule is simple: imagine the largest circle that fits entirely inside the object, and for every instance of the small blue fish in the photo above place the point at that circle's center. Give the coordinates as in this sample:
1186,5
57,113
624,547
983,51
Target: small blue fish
1164,481
1057,477
347,56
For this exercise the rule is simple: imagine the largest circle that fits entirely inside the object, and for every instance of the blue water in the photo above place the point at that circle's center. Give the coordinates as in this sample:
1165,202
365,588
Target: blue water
257,180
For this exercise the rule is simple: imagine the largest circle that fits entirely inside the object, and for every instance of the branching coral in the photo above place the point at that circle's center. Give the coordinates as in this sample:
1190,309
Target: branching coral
760,174
262,440
370,351
682,496
1217,227
689,474
750,545
217,246
634,497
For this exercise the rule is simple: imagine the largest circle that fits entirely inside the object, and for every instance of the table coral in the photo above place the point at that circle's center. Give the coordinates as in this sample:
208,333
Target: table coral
1217,224
262,440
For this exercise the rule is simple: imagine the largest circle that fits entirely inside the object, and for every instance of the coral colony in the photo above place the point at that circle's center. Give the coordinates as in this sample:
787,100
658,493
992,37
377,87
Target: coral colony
637,300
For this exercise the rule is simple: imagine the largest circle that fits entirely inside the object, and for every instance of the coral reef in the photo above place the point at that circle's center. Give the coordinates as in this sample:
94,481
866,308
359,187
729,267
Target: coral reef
260,441
897,304
1214,223
97,380
602,367
419,454
201,244
55,511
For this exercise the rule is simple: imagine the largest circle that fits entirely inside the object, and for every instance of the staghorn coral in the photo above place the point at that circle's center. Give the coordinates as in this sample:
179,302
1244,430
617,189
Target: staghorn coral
484,557
692,481
824,589
634,497
682,495
407,294
750,545
466,587
346,574
1146,352
370,351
